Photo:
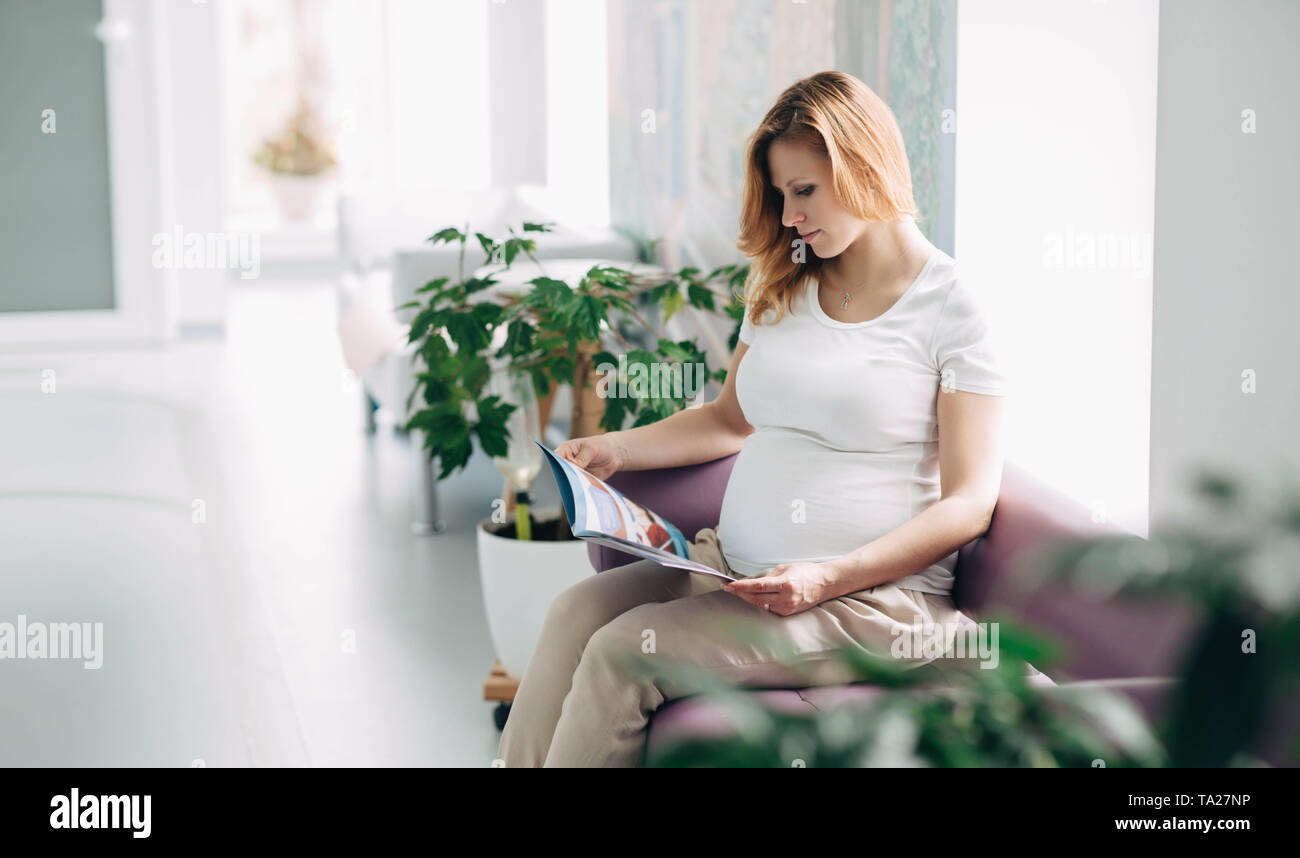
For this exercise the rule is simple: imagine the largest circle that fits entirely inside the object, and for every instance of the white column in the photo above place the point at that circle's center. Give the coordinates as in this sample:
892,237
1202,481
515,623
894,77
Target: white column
517,92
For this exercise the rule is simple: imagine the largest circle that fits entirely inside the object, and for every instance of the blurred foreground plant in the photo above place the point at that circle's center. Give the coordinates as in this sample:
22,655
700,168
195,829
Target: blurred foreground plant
1238,564
968,717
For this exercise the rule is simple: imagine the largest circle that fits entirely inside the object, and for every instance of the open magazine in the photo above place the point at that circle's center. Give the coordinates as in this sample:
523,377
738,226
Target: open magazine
601,513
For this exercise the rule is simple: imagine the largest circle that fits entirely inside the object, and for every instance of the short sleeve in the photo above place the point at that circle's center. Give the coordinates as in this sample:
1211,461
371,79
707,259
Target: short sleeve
747,330
966,347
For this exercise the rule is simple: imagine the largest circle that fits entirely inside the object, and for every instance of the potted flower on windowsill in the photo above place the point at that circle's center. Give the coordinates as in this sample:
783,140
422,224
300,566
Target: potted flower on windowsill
548,334
298,163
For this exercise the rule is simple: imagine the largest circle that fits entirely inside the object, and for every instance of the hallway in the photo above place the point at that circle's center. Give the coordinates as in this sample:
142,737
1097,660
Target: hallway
218,507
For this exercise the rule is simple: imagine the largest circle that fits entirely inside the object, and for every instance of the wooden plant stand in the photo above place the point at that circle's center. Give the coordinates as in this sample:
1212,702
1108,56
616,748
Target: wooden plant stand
500,687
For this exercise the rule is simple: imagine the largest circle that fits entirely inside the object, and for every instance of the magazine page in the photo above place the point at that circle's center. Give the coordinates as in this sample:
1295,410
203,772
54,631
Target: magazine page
661,557
601,513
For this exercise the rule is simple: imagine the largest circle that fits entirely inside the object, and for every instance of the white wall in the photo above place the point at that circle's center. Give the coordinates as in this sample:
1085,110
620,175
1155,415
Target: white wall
1056,126
577,113
439,78
1226,292
517,93
193,137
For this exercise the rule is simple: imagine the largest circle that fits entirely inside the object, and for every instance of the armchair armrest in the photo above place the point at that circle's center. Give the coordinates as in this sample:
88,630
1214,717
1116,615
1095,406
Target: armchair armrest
1105,636
1029,517
689,497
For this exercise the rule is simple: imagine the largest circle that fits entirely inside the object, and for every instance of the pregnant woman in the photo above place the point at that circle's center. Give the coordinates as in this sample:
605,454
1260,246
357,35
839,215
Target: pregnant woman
865,400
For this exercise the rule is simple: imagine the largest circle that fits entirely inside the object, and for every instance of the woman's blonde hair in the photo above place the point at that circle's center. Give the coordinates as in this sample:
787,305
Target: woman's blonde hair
840,118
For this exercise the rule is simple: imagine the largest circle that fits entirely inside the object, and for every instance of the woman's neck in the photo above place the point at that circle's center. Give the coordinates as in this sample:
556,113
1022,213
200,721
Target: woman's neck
884,255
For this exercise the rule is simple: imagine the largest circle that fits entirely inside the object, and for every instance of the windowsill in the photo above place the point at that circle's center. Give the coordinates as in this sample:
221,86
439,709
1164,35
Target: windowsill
313,241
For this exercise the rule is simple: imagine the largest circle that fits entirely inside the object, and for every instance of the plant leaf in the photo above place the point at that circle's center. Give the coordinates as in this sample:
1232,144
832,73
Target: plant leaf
448,234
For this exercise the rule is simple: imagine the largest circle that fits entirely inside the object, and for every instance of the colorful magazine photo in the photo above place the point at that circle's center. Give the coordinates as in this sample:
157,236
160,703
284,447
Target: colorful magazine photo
600,513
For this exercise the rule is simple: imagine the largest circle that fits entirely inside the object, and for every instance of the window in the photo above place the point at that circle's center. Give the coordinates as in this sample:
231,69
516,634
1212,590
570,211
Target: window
400,87
1054,217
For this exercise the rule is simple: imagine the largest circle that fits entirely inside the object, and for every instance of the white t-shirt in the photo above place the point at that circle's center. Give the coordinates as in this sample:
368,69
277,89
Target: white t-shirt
847,440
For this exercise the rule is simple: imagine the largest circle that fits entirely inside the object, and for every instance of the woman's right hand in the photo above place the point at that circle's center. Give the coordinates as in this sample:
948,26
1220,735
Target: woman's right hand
600,455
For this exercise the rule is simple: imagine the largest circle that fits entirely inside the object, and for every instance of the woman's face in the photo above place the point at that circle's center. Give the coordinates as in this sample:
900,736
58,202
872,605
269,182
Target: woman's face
802,178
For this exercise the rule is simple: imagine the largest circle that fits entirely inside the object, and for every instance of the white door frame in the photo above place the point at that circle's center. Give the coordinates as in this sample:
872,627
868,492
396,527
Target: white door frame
137,78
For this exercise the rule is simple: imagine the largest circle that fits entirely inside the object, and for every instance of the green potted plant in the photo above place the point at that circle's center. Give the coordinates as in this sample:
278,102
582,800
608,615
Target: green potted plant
297,162
551,333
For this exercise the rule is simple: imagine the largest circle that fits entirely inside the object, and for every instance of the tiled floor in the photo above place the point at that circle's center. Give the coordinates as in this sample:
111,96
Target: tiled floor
297,621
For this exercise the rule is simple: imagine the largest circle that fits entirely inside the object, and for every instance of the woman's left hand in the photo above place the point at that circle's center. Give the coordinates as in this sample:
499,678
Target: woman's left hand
786,589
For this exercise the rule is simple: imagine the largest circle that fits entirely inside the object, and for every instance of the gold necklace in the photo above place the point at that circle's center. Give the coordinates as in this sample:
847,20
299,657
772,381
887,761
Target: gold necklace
844,302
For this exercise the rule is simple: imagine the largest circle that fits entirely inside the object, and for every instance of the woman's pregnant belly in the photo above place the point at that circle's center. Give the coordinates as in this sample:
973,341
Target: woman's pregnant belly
791,497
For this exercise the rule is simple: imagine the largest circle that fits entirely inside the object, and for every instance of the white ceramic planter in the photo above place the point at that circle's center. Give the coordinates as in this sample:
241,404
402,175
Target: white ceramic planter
296,196
520,578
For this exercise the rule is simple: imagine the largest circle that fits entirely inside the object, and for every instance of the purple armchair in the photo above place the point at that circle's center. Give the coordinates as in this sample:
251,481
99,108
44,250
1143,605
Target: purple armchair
1125,645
